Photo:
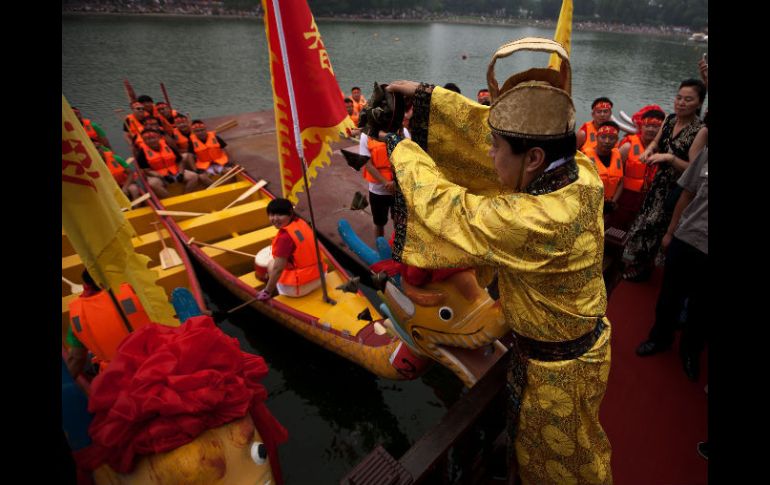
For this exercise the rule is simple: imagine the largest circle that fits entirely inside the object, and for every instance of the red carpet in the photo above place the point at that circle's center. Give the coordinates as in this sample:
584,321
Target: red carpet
653,415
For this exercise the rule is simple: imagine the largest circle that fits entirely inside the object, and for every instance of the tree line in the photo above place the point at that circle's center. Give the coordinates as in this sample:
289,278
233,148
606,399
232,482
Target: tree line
685,13
690,13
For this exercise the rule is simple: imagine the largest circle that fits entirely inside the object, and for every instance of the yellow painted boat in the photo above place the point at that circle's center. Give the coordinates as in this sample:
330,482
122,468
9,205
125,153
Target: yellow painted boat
239,232
146,242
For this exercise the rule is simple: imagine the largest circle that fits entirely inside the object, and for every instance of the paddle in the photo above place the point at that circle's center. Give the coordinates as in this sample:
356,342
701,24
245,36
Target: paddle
137,201
232,310
74,287
168,256
165,95
228,175
162,212
235,251
248,193
129,91
226,126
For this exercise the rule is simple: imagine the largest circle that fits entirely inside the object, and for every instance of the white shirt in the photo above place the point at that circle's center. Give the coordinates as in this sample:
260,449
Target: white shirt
363,150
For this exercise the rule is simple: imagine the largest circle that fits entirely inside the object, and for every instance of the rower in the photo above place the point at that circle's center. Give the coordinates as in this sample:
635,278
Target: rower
94,131
601,111
359,101
609,164
294,269
637,176
163,165
132,124
209,150
96,325
120,170
483,97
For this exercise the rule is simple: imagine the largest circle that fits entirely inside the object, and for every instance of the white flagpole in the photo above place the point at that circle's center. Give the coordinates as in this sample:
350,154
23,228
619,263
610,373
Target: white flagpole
298,140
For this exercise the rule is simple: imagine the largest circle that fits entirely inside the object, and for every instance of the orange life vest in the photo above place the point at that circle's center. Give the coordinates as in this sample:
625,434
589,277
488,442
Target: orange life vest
163,161
117,170
182,140
90,131
590,131
611,176
354,117
208,152
135,127
380,161
302,267
358,105
97,324
636,172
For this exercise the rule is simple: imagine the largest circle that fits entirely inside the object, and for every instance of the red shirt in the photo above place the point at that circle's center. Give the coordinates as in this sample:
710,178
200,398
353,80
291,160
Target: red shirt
284,245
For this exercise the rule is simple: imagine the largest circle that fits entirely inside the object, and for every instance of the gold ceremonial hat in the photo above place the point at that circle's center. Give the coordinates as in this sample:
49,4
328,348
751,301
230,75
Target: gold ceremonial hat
535,103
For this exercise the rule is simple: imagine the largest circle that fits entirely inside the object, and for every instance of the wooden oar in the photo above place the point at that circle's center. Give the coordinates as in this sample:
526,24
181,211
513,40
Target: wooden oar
137,201
228,175
233,310
248,193
168,256
226,126
165,96
235,251
162,212
129,91
74,287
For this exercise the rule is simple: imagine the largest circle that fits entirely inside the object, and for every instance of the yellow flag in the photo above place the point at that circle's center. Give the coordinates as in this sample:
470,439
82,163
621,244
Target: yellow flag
563,33
96,227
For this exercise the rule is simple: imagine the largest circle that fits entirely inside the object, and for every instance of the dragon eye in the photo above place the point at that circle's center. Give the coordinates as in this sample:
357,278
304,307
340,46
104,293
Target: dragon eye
258,453
445,313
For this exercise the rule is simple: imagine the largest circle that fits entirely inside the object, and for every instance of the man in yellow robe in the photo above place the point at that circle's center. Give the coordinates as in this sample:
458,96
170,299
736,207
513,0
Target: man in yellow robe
532,214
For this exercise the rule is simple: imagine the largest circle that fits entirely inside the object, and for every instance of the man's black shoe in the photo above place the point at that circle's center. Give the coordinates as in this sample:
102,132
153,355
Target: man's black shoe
691,367
650,347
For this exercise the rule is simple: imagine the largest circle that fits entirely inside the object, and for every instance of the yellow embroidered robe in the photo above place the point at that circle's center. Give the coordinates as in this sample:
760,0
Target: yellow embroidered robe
547,250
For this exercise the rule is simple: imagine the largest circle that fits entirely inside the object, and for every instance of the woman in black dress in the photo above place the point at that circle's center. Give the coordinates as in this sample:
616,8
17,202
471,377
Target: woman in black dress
671,149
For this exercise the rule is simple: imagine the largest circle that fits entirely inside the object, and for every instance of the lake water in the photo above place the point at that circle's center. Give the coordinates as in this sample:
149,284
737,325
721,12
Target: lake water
336,412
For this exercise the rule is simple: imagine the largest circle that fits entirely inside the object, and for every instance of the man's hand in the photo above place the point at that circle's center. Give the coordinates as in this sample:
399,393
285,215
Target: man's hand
703,68
390,187
263,296
407,88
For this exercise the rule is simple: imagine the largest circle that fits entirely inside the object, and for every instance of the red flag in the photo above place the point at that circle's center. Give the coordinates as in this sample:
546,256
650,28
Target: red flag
320,115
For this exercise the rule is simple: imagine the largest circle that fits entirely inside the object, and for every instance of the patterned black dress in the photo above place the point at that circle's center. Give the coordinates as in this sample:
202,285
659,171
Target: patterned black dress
650,225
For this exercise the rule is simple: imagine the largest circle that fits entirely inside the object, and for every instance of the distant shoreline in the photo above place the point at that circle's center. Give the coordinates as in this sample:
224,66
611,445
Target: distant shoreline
665,31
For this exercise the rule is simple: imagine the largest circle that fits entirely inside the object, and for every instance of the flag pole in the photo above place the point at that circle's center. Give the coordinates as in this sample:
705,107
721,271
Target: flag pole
298,140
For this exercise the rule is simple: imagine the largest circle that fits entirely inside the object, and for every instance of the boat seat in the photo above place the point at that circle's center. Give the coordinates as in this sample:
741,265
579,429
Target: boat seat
147,244
209,200
251,242
250,279
241,218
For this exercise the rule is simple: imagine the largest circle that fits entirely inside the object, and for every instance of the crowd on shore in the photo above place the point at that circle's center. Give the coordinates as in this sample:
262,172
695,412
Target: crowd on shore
412,15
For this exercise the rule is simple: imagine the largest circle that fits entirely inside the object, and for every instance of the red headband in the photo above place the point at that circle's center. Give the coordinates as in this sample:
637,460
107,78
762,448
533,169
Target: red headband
603,105
607,130
651,121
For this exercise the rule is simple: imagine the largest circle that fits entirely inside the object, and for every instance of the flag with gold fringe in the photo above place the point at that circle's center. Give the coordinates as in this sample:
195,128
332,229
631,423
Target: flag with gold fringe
94,224
563,34
309,112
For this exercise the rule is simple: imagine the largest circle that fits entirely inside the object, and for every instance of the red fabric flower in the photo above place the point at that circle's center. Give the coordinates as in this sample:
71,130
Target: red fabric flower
166,386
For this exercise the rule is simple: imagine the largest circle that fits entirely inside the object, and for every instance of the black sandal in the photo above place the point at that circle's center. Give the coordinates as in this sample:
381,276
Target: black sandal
635,274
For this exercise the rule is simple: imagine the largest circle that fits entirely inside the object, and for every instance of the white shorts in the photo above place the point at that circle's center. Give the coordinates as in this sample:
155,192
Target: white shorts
297,291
